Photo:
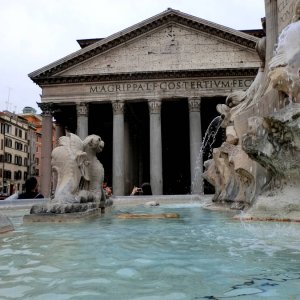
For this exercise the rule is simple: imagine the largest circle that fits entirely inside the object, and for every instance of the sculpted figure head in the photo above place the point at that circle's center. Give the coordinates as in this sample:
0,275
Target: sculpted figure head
94,143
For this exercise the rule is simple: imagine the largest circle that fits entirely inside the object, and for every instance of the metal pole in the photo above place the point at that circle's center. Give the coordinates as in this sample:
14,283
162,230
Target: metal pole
4,129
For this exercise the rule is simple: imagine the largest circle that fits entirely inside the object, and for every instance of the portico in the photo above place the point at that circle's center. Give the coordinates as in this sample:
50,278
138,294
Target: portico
151,105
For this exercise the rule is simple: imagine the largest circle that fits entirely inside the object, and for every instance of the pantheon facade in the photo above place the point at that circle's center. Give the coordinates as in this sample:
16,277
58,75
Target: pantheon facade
150,91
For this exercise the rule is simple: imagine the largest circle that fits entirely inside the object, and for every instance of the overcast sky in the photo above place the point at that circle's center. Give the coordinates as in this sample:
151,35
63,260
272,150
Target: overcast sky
35,33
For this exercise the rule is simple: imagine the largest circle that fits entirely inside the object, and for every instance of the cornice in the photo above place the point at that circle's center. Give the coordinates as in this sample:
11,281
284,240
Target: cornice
169,16
205,73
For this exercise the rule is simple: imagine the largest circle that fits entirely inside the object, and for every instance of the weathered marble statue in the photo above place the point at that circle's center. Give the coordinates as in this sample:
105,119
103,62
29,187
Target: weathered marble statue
77,173
231,171
258,166
77,177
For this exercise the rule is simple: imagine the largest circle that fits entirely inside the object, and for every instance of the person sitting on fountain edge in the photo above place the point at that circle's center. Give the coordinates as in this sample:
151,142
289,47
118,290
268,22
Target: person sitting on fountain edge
31,191
106,188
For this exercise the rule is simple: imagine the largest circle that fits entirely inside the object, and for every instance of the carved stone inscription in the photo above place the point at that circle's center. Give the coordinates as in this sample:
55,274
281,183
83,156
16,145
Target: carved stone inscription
210,84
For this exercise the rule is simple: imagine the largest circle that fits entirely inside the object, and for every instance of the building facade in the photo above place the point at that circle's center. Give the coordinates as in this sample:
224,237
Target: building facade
150,92
34,143
13,152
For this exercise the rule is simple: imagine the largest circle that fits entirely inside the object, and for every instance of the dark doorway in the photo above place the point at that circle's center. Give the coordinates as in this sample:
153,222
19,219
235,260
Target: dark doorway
208,113
138,151
67,117
100,123
175,144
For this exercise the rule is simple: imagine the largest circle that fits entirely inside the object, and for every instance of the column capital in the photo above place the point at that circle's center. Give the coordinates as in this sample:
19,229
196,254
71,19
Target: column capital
47,109
82,109
154,106
118,107
194,103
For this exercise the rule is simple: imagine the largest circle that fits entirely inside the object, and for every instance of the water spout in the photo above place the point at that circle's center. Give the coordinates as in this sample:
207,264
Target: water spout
207,143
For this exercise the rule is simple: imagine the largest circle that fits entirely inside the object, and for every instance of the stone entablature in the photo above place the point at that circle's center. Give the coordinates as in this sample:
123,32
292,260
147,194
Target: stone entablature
207,73
109,91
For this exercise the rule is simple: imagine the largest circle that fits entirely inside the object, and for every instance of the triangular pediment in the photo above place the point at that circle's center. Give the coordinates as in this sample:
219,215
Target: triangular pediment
169,41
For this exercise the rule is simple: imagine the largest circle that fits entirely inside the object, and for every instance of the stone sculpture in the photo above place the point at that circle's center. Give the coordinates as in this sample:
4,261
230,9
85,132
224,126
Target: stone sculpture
285,64
77,173
230,173
77,179
258,166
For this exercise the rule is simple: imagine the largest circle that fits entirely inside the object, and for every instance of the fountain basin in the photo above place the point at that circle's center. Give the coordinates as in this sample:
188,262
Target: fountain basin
199,255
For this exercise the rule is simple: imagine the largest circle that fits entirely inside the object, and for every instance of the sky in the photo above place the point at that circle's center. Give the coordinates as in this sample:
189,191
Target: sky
35,33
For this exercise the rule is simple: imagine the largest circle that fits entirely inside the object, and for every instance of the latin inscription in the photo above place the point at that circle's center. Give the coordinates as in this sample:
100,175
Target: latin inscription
171,85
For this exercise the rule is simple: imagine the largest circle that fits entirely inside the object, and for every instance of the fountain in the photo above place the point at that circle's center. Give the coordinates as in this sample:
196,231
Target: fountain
257,169
202,254
78,176
5,224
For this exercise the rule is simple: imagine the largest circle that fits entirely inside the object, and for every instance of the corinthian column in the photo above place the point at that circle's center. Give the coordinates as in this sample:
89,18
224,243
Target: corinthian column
196,159
118,148
47,126
82,120
156,179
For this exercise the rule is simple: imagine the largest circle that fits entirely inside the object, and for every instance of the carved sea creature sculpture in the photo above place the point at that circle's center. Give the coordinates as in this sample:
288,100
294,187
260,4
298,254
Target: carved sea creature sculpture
77,173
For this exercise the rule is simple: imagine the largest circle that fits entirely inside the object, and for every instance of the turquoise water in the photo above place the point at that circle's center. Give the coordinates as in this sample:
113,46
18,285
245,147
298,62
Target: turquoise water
202,255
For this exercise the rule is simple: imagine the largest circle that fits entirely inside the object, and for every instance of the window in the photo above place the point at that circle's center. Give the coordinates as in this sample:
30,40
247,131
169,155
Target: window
25,161
7,157
25,175
5,128
7,174
17,175
18,160
18,146
20,133
37,172
8,143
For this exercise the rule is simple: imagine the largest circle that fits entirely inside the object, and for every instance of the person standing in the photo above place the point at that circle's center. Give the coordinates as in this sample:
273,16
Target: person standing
31,190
